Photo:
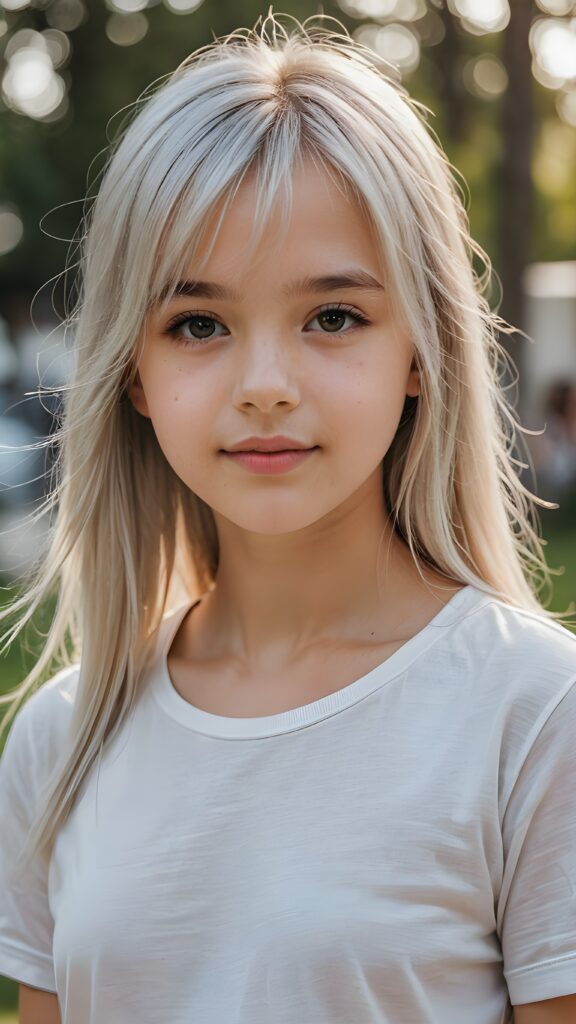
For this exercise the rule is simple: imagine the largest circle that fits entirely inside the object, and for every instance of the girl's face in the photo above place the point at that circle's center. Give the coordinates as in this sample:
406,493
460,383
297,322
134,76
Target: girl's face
263,352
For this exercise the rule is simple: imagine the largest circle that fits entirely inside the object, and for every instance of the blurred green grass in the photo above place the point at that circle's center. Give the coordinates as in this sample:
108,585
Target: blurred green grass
8,1001
560,553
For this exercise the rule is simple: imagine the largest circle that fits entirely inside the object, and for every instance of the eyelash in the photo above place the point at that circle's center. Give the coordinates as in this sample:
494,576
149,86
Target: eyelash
182,318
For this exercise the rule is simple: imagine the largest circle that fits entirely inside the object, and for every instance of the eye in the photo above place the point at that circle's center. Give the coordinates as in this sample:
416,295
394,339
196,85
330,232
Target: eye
333,316
202,323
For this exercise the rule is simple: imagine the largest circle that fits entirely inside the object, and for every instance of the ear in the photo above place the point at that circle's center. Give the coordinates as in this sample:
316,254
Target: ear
137,396
413,382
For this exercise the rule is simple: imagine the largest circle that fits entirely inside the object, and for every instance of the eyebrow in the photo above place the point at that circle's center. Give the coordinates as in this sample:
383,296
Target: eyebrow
353,278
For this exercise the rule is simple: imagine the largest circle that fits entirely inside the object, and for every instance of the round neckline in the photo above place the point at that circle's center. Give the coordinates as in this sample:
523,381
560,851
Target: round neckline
225,727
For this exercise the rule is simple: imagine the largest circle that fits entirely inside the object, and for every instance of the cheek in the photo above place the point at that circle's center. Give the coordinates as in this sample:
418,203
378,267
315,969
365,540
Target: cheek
368,401
179,418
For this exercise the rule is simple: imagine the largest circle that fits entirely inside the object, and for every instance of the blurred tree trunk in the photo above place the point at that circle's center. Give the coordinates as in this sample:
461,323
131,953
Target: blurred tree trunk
452,94
515,189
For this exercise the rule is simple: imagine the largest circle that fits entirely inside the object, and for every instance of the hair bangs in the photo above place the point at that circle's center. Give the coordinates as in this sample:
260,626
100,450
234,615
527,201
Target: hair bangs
248,110
192,226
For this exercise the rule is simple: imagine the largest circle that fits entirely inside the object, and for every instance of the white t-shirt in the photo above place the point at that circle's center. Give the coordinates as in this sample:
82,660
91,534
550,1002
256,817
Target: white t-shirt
401,851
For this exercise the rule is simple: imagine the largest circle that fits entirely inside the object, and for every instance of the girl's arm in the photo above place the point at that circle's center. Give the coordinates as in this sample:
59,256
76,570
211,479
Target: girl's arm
549,1011
35,1006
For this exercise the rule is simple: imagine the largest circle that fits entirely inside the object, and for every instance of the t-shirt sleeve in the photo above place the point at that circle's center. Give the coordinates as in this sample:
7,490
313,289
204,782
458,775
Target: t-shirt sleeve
26,924
537,902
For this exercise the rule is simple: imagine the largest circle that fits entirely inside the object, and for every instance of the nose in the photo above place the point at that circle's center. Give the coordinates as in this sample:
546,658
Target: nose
266,372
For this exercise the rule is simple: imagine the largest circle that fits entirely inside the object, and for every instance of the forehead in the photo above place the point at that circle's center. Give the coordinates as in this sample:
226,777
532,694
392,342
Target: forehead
311,198
315,221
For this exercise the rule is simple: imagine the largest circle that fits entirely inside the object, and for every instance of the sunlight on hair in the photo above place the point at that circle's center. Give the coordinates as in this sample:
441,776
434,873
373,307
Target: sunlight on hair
128,538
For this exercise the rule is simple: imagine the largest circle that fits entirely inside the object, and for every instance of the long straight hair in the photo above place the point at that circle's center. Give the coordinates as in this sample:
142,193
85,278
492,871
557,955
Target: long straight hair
127,535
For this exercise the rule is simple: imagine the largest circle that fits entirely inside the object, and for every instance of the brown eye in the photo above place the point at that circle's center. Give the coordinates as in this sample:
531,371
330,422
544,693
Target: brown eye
332,318
202,327
203,324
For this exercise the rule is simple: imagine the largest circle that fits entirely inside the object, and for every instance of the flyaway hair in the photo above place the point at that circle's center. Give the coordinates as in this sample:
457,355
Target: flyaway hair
127,539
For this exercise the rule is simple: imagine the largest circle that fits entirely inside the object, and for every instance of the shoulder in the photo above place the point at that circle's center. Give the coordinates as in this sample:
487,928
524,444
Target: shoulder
37,735
52,703
520,643
519,669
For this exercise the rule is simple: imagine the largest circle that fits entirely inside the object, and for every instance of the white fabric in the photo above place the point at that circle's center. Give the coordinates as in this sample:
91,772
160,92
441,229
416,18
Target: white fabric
401,851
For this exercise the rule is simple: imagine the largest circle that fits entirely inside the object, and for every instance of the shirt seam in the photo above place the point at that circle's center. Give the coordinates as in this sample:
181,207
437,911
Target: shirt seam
33,958
443,629
541,963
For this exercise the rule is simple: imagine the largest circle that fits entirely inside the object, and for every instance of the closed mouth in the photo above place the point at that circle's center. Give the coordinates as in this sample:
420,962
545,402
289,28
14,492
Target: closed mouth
264,451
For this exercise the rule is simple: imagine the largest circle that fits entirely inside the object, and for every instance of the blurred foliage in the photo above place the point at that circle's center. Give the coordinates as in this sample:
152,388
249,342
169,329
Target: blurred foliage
46,168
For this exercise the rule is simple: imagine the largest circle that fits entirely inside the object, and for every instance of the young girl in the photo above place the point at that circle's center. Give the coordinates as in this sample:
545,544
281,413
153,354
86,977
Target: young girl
308,757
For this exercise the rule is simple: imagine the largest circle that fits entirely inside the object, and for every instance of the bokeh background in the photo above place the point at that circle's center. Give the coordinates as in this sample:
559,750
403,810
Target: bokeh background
498,78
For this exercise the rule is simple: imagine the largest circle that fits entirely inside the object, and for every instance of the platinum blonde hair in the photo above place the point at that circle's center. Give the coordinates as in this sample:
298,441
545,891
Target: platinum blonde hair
128,535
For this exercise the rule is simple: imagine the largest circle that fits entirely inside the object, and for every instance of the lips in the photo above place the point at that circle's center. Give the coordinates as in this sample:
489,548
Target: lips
265,451
279,443
270,462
